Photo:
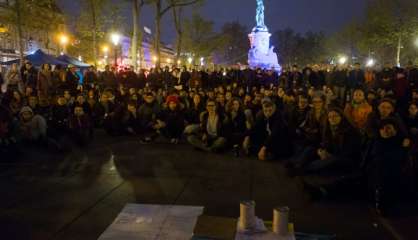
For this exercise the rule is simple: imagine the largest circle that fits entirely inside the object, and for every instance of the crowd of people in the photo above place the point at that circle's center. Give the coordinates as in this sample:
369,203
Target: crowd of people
320,120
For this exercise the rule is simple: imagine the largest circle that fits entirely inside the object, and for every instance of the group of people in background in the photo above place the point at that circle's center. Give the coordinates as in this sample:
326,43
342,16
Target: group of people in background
331,121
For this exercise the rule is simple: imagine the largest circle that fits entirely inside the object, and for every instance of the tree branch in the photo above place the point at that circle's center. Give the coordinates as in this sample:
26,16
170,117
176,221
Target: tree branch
180,4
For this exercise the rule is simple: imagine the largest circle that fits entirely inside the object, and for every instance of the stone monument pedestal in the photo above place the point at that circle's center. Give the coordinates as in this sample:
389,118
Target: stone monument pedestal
261,55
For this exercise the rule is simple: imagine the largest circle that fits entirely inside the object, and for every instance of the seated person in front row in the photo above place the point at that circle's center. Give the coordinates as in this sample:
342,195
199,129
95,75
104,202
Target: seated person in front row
269,138
340,148
33,126
80,126
170,122
213,130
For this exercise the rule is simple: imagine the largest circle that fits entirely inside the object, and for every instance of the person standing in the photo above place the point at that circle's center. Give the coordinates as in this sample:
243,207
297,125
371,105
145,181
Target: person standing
72,79
108,78
30,76
355,78
13,79
44,82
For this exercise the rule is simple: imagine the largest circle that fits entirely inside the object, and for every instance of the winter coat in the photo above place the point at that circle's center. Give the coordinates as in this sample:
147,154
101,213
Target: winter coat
273,133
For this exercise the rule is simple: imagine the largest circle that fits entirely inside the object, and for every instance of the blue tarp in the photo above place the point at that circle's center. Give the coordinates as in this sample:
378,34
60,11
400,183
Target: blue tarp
38,58
73,61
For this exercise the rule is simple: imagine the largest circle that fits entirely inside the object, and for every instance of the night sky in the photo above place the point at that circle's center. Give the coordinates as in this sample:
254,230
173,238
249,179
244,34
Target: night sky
301,15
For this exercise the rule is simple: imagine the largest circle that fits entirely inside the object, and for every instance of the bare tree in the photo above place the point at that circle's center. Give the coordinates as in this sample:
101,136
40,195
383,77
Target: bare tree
177,15
161,8
136,9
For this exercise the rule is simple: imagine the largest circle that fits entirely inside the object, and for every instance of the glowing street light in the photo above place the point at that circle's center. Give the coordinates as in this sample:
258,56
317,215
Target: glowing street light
370,62
342,60
105,49
115,37
168,60
190,60
80,58
178,62
63,39
155,58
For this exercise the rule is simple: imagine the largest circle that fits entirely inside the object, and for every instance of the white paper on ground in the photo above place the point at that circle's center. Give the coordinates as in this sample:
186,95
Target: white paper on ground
153,222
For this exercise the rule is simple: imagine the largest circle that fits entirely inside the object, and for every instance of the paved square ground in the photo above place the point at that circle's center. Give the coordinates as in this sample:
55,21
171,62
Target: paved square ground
77,195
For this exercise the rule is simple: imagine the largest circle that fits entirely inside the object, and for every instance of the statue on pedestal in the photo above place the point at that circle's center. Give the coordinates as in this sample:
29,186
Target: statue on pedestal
261,53
259,18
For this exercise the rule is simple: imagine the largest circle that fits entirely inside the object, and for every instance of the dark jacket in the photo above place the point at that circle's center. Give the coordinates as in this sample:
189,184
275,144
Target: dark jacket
72,80
148,114
238,123
343,143
222,126
356,79
108,79
273,133
30,77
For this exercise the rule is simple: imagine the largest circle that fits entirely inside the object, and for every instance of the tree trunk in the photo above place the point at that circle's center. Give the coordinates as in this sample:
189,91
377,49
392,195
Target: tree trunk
157,31
134,48
179,30
19,30
398,52
94,22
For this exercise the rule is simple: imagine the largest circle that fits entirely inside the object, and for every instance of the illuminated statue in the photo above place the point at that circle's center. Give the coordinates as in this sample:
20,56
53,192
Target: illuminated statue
259,18
261,54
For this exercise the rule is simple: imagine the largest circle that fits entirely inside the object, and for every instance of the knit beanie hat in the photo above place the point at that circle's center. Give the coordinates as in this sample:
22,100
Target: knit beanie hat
172,98
26,109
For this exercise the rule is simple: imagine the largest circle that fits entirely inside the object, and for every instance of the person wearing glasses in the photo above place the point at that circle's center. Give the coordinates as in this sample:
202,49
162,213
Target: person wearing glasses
213,130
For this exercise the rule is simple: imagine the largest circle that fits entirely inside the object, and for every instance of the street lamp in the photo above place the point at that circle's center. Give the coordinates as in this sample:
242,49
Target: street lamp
342,60
63,41
178,62
370,62
105,50
190,60
115,37
168,60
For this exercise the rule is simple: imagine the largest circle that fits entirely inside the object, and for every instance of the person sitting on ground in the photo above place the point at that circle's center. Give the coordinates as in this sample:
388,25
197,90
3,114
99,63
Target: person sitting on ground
80,125
213,130
358,110
386,109
340,148
297,116
388,155
60,116
193,115
411,122
239,124
33,127
170,122
103,111
9,147
148,113
81,101
130,120
269,138
314,122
